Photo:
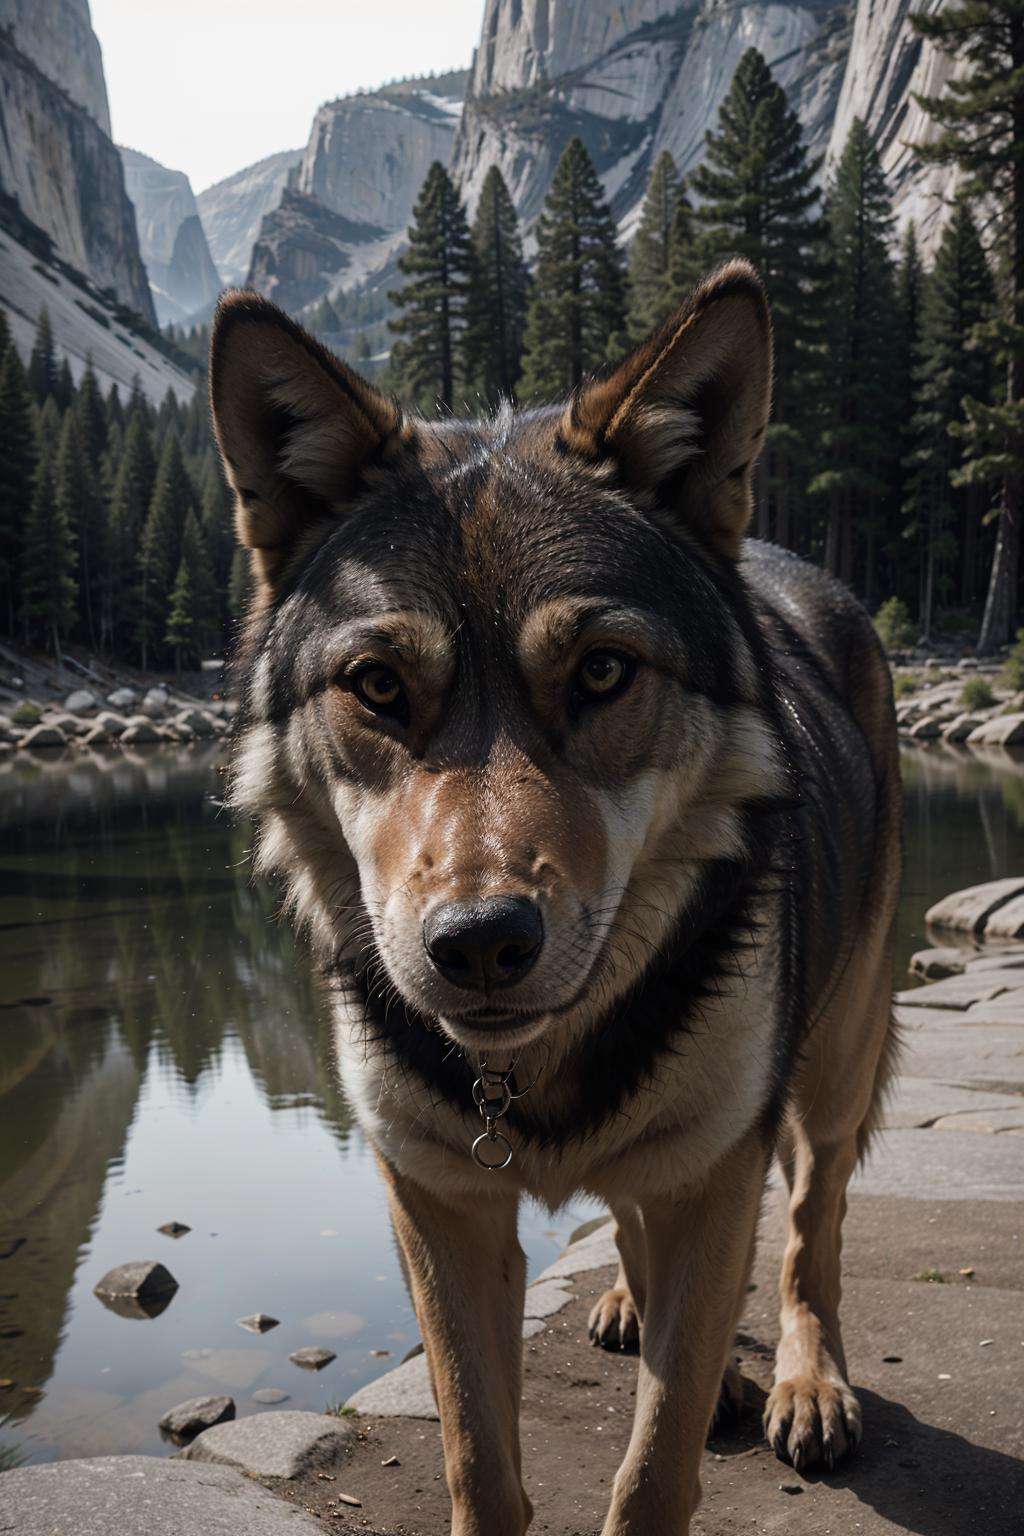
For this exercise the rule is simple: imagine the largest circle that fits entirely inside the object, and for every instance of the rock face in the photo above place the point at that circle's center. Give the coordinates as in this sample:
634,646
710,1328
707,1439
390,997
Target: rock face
638,77
64,172
282,1444
345,209
232,211
182,275
57,35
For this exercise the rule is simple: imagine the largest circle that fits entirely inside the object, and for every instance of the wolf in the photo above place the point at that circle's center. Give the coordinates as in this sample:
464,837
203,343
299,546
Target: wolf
590,806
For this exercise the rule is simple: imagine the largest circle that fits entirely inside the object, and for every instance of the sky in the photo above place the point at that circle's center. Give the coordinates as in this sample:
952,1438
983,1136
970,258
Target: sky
209,86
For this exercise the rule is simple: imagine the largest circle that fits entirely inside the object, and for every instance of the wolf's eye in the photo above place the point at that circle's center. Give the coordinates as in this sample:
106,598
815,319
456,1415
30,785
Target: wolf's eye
379,689
602,675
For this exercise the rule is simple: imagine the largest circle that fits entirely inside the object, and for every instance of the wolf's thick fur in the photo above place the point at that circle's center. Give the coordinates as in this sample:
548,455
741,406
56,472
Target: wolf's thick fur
530,665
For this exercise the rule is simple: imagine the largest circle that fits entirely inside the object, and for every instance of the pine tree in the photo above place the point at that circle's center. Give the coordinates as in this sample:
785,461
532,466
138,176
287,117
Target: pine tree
981,117
192,620
78,503
493,345
217,528
92,418
433,301
685,259
160,551
17,476
759,199
959,297
64,393
114,408
861,435
663,220
130,496
42,363
578,300
48,588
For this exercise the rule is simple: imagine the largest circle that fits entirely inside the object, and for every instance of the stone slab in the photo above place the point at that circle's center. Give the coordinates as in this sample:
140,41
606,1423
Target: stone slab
284,1444
1007,922
998,958
592,1252
942,1165
142,1496
404,1393
544,1298
937,964
968,909
917,1103
1005,1119
957,991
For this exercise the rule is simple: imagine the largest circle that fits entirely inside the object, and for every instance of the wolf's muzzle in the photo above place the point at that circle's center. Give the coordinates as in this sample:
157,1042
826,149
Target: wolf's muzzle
484,945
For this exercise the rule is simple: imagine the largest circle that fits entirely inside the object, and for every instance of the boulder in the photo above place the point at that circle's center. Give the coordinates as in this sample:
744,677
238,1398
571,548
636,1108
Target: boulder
142,1288
8,731
258,1322
196,721
155,702
26,713
285,1444
144,1496
71,725
1007,921
43,737
312,1357
81,702
970,909
1002,731
967,664
122,698
927,729
111,724
140,732
960,727
937,964
196,1414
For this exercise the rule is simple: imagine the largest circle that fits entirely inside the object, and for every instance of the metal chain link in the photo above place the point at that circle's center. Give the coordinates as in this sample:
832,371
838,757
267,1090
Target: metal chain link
493,1093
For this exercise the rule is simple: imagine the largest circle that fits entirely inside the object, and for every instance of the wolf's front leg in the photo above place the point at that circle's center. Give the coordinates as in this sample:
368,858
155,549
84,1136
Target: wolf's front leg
467,1274
698,1251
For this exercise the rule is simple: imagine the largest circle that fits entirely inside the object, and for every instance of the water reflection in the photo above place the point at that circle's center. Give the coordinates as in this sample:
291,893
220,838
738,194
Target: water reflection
164,1056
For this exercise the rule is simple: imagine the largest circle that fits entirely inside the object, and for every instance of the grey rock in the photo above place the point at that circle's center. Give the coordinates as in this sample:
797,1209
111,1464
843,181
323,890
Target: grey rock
284,1445
1007,921
140,732
927,729
258,1322
233,209
546,1297
270,1395
143,1496
956,992
122,698
155,702
1003,731
174,1229
943,1165
312,1357
81,702
142,1280
110,723
196,1414
171,238
43,737
404,1393
197,722
961,727
971,908
937,964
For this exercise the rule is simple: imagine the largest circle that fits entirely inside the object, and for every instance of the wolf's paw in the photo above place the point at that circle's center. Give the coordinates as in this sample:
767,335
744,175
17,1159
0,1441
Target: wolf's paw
810,1421
614,1323
729,1405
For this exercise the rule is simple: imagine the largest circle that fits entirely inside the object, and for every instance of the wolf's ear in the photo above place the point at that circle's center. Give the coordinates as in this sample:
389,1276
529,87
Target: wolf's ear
295,426
684,416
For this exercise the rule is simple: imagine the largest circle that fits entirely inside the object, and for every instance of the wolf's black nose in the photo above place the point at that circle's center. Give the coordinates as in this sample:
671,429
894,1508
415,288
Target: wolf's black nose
481,945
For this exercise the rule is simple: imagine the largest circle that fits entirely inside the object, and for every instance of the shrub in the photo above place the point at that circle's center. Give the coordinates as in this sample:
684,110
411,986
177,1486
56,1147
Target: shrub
904,684
976,694
26,713
1013,671
893,624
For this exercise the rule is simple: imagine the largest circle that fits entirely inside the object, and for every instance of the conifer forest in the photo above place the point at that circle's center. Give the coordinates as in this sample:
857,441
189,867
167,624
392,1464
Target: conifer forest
895,455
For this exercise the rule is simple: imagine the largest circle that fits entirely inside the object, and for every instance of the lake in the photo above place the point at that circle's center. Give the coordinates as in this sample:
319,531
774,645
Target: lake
165,1056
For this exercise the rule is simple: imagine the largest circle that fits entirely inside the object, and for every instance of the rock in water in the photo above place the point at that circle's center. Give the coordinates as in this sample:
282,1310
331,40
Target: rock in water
81,702
140,1289
122,698
174,1229
196,1414
258,1322
312,1357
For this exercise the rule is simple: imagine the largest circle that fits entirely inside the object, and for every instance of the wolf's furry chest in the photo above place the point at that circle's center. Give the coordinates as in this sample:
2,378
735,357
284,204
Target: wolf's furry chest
711,1080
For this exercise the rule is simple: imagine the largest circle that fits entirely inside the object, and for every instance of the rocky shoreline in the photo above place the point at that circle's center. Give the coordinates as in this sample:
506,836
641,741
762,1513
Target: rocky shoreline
962,702
122,719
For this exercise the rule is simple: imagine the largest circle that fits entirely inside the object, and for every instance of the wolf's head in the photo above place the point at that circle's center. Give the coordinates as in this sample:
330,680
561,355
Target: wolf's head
498,709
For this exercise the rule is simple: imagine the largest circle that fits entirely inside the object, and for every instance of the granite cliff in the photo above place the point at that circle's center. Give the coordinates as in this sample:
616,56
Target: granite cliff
232,211
182,275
